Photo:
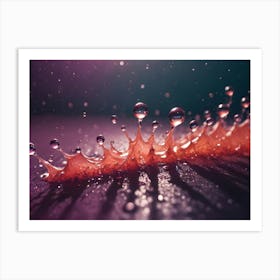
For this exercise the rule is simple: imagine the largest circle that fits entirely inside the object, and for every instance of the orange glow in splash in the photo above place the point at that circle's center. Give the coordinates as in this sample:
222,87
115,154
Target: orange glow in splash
216,140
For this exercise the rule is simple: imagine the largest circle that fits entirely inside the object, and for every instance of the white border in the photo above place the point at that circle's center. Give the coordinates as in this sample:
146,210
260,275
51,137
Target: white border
24,57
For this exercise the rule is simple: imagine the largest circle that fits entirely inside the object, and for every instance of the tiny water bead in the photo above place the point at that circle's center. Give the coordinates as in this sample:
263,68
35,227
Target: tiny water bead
176,116
237,118
193,125
207,114
78,150
129,207
140,111
123,128
223,110
54,143
209,122
245,102
229,91
114,119
100,139
32,149
155,125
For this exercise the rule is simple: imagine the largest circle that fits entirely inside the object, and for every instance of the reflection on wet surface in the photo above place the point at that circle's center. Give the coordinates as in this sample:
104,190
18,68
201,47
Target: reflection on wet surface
199,189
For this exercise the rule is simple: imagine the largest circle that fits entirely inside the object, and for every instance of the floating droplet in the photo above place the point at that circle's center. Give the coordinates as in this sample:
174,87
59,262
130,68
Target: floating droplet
114,119
44,175
155,125
54,143
193,125
85,104
223,111
245,103
157,112
78,150
140,111
142,86
129,207
70,105
237,118
176,116
121,63
211,94
209,121
167,94
32,149
100,139
207,114
229,91
123,128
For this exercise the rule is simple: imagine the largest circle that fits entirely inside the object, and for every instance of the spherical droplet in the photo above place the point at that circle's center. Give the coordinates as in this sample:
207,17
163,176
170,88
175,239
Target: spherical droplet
123,128
114,119
155,125
140,111
237,118
245,102
223,111
176,116
44,175
32,149
100,139
78,150
193,125
207,114
121,63
209,121
129,207
54,143
229,91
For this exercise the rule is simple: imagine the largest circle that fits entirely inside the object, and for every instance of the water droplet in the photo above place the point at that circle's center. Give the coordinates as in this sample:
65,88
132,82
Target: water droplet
193,69
237,118
84,114
100,139
157,112
114,119
193,125
121,63
78,150
54,143
44,175
70,105
209,122
32,149
176,116
223,111
245,102
207,114
155,125
211,94
129,207
160,197
85,104
167,94
142,86
140,111
123,128
229,91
